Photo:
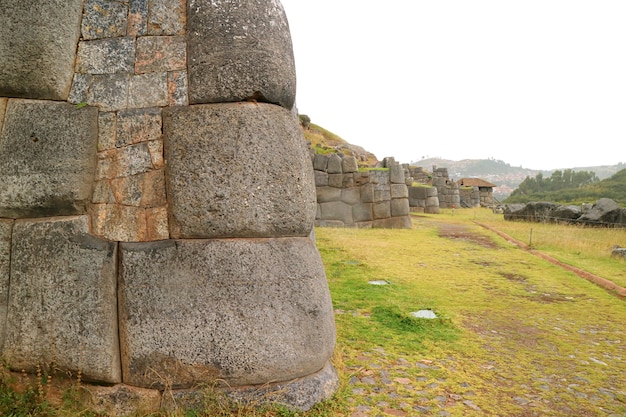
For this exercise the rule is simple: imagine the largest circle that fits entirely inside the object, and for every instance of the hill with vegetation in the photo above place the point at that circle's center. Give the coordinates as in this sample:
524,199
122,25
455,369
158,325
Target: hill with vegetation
324,142
506,177
570,187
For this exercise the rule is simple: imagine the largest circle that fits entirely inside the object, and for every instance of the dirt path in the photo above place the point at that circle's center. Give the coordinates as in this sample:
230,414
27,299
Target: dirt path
602,282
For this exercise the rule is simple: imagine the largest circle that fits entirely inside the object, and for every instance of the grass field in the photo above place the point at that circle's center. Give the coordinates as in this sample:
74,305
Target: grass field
515,335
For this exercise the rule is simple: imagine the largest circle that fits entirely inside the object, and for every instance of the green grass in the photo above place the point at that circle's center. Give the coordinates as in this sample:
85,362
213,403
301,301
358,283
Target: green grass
588,248
509,321
516,335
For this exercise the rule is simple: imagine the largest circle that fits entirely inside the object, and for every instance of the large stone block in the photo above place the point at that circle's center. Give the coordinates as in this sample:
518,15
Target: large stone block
382,210
62,304
239,50
326,194
335,180
320,162
367,193
104,19
47,159
349,164
337,210
38,47
399,191
396,174
243,311
237,170
321,178
403,222
6,227
335,164
363,212
351,195
399,207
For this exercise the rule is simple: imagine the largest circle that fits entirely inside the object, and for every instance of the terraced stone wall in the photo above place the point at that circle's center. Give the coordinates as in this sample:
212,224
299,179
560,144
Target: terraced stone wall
157,200
349,198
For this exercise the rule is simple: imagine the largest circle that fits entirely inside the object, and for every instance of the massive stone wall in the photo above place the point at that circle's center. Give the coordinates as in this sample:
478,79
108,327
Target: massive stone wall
347,197
157,200
447,190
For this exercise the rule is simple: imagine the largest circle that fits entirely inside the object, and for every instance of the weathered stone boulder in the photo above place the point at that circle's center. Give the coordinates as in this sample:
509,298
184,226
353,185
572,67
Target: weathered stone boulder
242,311
47,158
566,213
604,211
253,181
62,306
618,252
532,212
240,50
38,47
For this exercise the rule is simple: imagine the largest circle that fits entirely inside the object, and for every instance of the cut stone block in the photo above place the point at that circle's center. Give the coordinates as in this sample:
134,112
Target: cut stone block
160,54
38,47
349,164
238,52
400,207
363,212
6,227
104,19
399,191
62,305
166,17
138,125
382,210
119,223
326,194
106,56
351,195
335,164
337,210
148,90
177,88
246,311
335,180
47,159
109,92
396,174
137,18
403,222
237,170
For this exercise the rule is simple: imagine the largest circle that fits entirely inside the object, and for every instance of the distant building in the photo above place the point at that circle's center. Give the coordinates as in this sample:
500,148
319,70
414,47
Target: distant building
475,192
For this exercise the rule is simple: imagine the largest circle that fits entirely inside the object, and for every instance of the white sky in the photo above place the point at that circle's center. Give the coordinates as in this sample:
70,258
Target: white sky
536,83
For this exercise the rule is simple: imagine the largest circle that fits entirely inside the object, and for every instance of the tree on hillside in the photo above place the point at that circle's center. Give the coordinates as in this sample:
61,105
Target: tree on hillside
559,180
305,121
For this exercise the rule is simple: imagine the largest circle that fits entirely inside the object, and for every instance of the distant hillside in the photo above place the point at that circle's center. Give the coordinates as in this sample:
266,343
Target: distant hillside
506,177
534,189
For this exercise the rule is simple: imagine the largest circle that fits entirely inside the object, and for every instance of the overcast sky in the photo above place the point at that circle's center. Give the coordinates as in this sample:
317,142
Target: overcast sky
536,83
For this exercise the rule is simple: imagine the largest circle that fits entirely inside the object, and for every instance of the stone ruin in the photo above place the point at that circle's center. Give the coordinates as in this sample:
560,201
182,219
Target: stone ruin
157,203
603,213
350,197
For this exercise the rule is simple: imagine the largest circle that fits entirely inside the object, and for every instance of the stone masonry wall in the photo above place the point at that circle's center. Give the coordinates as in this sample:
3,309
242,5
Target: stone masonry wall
424,199
349,198
447,190
157,200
